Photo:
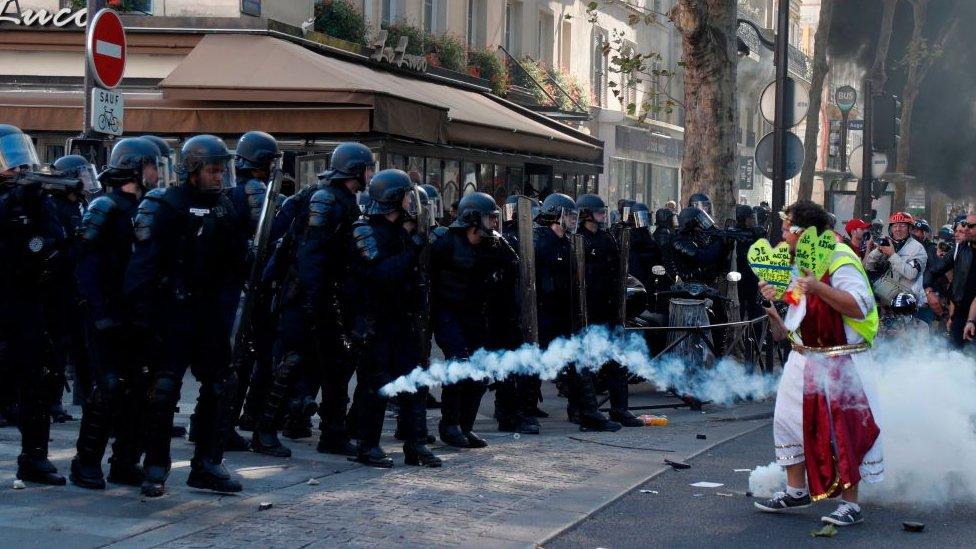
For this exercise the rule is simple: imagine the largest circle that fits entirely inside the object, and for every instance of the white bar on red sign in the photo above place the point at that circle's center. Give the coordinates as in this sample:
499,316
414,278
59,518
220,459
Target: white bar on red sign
108,48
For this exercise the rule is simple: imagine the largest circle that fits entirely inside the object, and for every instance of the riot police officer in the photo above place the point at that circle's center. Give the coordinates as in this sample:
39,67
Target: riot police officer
644,250
468,269
107,236
701,253
747,232
602,295
312,339
30,239
666,223
383,279
558,216
177,279
702,202
64,318
167,170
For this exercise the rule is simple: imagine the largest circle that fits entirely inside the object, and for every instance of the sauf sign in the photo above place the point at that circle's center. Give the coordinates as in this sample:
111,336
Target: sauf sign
11,13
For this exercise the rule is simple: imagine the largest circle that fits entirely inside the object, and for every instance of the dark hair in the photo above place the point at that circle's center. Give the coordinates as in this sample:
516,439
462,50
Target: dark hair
807,213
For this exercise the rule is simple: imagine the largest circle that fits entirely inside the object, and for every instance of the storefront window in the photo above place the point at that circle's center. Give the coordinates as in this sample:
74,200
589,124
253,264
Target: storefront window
309,168
396,161
516,176
486,178
664,187
450,190
559,183
415,169
434,172
641,181
469,180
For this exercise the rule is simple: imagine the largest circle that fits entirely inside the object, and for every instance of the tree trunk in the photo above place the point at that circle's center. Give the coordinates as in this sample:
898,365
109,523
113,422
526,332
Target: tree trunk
878,78
820,68
707,29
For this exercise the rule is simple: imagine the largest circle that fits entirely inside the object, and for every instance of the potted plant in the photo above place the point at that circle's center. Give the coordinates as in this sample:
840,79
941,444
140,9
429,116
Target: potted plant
450,52
341,20
490,67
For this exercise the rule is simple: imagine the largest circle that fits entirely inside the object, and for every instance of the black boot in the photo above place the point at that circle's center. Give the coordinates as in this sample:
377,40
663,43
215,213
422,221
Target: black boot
590,417
86,475
234,442
268,444
374,457
625,418
246,423
619,390
415,453
430,439
336,443
154,485
207,475
35,431
474,441
128,474
452,436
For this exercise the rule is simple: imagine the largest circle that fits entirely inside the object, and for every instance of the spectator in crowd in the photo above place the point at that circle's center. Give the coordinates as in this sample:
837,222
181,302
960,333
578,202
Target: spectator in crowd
899,258
922,232
962,290
858,234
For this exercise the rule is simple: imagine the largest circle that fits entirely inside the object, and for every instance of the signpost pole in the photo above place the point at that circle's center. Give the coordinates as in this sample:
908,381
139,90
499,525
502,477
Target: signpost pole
867,156
86,132
780,124
845,116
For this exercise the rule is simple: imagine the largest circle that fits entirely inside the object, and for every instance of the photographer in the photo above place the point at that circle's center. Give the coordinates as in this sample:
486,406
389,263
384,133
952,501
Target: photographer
963,287
899,258
858,235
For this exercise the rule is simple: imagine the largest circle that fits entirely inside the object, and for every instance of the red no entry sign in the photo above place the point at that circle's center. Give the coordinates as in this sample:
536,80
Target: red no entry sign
106,48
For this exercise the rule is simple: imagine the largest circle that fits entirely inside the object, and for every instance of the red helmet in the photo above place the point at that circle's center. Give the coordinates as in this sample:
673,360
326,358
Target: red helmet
901,217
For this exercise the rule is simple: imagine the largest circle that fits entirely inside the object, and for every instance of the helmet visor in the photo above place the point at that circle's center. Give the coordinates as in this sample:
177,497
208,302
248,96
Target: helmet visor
412,203
705,220
642,219
89,179
490,222
167,172
569,219
703,205
17,150
215,174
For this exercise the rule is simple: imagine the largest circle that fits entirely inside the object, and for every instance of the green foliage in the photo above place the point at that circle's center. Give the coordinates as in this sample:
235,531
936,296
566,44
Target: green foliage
491,69
340,19
450,51
418,39
534,72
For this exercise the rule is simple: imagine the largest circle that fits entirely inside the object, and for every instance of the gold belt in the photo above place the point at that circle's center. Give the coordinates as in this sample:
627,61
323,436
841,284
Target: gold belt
836,350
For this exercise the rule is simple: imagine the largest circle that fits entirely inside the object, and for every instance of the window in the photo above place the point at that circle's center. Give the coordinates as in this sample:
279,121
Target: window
391,11
566,45
450,189
429,15
546,33
415,169
476,17
598,65
513,26
470,180
629,83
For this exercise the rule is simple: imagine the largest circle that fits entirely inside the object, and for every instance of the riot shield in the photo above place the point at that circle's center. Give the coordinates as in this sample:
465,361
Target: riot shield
529,312
241,338
422,322
580,316
623,243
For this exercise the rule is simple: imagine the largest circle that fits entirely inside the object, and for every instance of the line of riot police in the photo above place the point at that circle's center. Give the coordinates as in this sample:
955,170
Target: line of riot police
201,264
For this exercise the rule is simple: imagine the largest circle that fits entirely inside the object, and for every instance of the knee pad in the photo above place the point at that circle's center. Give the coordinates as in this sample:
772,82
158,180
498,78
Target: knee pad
165,390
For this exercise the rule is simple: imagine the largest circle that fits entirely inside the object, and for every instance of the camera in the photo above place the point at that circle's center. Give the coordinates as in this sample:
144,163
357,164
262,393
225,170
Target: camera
885,241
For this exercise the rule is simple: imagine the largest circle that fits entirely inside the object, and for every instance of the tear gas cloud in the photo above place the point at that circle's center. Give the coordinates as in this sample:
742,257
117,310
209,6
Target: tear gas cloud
724,383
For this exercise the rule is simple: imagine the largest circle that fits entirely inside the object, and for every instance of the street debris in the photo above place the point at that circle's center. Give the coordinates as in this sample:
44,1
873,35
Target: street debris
828,531
653,421
677,464
725,494
701,436
313,482
19,485
649,492
265,505
912,526
741,470
703,484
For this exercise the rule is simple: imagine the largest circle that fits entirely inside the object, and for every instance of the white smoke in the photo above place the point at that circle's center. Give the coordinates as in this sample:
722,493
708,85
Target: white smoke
766,480
723,383
927,401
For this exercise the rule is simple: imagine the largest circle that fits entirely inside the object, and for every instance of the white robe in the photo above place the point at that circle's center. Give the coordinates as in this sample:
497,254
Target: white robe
788,414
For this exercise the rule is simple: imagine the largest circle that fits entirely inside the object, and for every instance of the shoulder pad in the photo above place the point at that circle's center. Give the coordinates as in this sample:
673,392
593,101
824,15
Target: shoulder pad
440,232
365,239
146,214
96,217
321,207
255,191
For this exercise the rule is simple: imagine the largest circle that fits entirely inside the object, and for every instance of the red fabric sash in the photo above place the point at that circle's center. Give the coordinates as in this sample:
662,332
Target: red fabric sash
839,432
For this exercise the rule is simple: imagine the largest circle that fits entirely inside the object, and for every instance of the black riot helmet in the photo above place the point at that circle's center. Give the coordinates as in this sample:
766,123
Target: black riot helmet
16,151
206,164
78,167
592,208
256,150
762,215
167,167
743,215
387,190
664,218
640,215
904,304
694,218
478,210
702,202
435,203
559,208
350,161
133,160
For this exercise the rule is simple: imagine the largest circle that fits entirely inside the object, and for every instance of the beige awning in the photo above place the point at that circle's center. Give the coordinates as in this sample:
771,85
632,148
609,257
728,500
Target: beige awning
230,68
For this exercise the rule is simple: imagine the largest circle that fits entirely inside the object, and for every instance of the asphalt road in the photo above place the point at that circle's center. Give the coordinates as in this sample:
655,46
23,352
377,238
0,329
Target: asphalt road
680,515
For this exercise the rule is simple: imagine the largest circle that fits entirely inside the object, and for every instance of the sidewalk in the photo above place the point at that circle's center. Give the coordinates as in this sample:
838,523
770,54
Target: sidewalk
517,492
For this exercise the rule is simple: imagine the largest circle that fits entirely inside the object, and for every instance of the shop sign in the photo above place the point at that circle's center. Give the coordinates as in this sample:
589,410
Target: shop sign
396,56
747,169
42,18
